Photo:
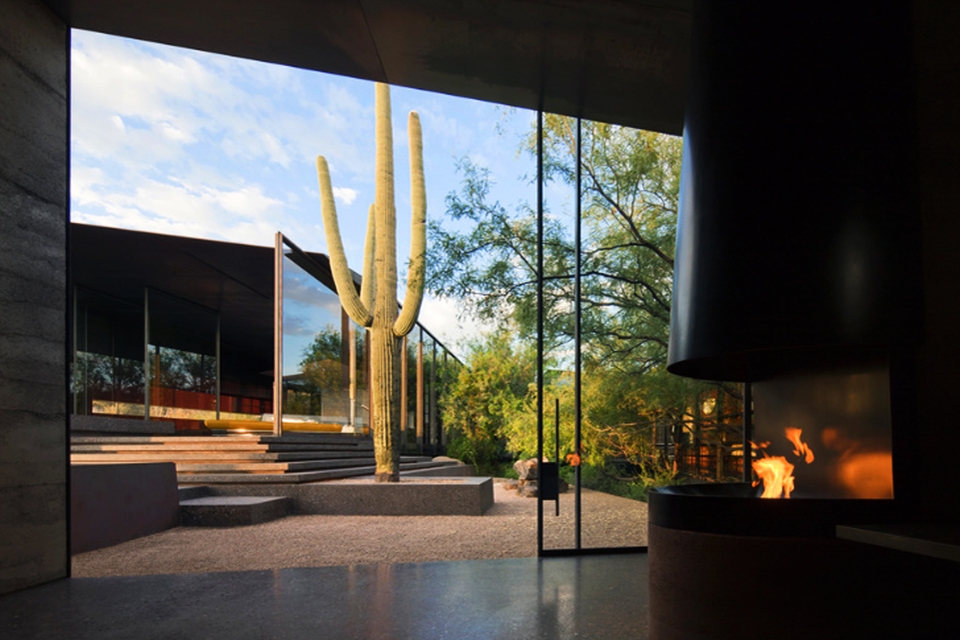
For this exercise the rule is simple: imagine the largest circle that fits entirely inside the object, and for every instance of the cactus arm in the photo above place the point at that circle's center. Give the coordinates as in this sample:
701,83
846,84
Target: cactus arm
368,284
338,260
418,232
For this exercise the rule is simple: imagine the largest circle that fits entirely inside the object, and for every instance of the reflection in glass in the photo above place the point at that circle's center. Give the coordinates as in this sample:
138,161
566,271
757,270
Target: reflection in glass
414,428
313,387
182,360
107,370
325,376
842,417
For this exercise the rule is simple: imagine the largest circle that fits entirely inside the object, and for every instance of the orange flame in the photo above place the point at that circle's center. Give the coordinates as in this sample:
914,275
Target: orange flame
799,448
864,474
775,472
868,474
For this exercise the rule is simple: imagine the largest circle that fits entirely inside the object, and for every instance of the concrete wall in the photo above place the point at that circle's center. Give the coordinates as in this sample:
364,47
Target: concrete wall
33,226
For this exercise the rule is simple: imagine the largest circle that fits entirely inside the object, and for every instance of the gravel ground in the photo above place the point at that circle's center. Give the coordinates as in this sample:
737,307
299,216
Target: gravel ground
507,530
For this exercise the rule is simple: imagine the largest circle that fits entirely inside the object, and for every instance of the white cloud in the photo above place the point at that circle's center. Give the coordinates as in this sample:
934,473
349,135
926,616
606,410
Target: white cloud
177,135
83,183
444,318
345,195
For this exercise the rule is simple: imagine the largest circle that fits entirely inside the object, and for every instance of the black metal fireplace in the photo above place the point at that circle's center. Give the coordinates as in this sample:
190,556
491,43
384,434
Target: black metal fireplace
798,271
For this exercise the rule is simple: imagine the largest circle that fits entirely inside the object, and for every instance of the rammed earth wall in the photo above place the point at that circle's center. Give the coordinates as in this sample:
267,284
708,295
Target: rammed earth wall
34,62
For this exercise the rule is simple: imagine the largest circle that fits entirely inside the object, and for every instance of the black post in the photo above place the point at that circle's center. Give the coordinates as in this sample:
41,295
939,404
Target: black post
747,432
556,446
577,339
539,325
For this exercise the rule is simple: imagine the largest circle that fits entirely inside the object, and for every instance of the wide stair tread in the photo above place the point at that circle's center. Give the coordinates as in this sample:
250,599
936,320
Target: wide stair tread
281,467
215,456
244,459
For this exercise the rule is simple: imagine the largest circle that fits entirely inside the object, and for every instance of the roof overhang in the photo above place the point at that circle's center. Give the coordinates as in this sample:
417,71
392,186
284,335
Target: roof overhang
618,61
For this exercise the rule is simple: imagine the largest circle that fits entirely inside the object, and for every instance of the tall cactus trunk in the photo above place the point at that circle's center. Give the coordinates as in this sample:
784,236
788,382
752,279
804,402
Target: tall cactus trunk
387,325
385,345
385,353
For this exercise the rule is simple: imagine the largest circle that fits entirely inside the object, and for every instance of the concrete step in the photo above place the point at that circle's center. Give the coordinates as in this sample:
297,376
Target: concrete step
166,455
231,511
284,467
348,440
299,477
213,446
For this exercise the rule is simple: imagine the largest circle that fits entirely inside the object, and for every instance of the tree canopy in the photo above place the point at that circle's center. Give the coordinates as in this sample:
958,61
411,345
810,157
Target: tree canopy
487,259
630,190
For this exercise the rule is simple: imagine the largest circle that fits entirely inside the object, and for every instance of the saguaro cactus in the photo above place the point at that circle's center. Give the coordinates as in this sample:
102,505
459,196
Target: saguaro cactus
376,305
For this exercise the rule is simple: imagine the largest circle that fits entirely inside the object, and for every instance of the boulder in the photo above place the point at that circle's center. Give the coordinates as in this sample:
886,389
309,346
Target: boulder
528,490
526,469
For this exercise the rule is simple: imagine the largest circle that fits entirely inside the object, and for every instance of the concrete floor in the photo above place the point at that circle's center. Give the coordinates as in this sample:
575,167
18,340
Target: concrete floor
601,596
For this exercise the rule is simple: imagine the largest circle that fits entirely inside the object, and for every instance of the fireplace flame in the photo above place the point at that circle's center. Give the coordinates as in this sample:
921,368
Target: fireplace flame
775,472
799,448
861,471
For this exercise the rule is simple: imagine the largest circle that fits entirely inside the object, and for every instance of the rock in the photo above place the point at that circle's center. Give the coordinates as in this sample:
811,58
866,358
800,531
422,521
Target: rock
510,485
526,469
445,459
528,490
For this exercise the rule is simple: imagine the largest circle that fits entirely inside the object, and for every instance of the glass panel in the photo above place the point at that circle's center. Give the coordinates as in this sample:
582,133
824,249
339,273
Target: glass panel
825,434
107,374
428,389
316,358
183,361
414,432
448,369
361,398
641,426
559,322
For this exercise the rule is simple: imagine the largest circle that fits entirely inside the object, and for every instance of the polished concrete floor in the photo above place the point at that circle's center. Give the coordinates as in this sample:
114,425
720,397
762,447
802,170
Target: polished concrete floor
577,597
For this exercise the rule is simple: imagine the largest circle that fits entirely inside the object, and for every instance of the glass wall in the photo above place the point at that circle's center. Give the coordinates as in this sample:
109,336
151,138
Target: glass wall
324,352
107,377
171,347
613,418
326,365
167,342
412,427
182,359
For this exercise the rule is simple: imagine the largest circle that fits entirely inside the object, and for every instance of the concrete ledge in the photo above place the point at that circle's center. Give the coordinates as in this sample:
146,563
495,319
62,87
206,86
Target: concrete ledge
113,503
111,424
231,511
455,471
460,496
410,497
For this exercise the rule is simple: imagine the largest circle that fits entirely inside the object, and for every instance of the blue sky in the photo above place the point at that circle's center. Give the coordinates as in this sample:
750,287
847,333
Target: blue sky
181,142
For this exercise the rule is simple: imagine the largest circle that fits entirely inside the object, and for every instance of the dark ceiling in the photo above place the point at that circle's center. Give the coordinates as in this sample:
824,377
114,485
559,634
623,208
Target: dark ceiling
620,61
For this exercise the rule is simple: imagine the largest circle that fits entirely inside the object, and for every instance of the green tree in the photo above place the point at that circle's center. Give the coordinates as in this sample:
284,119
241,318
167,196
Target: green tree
487,258
320,364
630,192
485,396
